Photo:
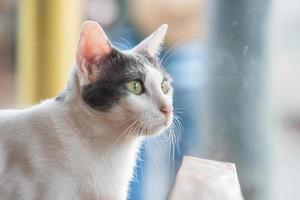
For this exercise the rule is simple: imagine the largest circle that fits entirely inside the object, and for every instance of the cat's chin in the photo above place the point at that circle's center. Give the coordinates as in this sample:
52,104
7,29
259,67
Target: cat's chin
153,132
156,130
159,129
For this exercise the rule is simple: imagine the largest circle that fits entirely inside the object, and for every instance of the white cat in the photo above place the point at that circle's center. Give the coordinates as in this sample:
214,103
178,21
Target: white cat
83,144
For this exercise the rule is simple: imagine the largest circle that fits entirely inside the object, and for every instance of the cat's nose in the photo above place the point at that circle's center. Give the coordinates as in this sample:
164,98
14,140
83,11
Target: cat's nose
166,110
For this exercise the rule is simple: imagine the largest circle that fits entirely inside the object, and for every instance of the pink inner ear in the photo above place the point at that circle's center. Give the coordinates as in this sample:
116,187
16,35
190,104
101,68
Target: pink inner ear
93,44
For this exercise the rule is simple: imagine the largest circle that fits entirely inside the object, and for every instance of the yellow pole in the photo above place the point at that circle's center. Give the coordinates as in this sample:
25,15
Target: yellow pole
27,37
60,24
56,25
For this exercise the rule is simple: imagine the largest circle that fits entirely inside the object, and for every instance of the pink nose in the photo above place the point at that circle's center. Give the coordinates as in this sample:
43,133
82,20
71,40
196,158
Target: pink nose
166,110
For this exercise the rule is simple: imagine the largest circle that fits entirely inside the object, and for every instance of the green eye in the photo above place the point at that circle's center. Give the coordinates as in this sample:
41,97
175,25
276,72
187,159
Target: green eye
165,87
135,87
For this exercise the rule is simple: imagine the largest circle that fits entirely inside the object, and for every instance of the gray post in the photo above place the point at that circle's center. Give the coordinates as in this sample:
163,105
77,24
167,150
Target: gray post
234,107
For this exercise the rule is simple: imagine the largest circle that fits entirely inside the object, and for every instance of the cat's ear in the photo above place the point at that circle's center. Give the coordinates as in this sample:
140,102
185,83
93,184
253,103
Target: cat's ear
93,46
153,43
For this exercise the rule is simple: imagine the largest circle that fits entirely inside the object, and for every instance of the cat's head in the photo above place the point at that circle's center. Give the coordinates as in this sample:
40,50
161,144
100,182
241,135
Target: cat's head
130,87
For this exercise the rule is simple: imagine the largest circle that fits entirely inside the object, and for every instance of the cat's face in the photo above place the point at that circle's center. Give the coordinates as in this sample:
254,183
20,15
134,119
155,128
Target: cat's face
130,87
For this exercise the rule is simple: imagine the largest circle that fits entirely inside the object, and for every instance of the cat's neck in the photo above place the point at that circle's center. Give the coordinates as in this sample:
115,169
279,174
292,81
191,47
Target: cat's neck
91,126
94,145
85,121
72,91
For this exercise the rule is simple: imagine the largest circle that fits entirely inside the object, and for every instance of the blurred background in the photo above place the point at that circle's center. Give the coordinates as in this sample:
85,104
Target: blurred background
235,65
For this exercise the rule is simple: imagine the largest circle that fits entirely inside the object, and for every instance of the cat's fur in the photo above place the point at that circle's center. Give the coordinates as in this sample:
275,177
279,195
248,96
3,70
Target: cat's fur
83,143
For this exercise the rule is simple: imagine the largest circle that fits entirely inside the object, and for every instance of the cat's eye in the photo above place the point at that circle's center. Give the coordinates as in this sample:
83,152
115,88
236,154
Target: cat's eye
165,87
135,87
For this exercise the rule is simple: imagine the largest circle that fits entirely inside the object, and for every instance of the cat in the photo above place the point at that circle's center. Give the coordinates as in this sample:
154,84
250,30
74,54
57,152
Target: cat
83,144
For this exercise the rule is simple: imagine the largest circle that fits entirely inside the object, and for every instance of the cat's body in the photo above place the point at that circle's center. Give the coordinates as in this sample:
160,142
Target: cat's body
83,144
46,155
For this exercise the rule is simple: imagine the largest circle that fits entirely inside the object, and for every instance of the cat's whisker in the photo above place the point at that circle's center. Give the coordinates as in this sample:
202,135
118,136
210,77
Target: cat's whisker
165,62
180,129
169,64
127,42
171,49
174,134
118,138
124,122
179,108
124,133
140,127
177,112
172,150
152,155
137,129
170,53
132,128
172,143
121,45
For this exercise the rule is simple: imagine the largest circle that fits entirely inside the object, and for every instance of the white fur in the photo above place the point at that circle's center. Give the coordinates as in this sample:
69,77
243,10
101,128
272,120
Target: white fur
152,44
67,150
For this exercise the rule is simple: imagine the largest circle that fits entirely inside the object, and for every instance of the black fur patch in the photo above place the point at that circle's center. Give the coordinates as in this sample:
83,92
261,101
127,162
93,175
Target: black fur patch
62,96
115,71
